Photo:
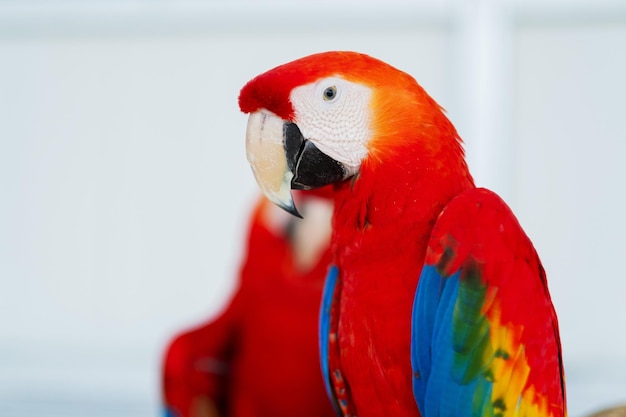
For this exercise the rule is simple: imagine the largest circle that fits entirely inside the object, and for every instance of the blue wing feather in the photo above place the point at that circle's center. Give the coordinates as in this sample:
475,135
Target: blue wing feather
327,302
433,313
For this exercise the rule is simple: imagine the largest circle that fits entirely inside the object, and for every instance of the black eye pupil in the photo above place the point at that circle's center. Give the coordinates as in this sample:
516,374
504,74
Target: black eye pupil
329,93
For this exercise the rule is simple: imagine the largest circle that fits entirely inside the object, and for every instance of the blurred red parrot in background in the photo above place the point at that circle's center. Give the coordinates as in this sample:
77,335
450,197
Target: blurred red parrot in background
260,356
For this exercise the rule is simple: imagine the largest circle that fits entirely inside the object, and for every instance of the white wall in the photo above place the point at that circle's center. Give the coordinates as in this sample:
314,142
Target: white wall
570,191
124,189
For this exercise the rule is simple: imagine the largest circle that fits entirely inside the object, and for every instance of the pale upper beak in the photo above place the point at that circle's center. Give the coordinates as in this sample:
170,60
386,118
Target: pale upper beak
266,154
282,159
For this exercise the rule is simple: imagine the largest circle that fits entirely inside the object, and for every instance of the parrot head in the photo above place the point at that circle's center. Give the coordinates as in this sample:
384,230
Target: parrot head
327,117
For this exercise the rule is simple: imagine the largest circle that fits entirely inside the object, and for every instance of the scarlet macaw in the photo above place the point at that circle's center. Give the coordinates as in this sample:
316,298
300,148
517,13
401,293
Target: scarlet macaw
437,303
259,357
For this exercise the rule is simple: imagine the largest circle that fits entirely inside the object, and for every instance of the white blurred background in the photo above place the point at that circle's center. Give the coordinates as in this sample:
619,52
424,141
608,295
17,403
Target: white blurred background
125,193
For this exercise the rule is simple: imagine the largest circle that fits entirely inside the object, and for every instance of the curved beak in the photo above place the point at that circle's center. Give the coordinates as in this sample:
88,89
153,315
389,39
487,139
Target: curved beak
282,159
266,155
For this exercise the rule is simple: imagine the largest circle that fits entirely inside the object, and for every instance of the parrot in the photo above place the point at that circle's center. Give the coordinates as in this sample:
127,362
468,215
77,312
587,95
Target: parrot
259,357
436,302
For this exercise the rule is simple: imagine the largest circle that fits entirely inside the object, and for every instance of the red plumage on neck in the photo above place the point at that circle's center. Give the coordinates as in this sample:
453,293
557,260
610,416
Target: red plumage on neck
414,166
381,227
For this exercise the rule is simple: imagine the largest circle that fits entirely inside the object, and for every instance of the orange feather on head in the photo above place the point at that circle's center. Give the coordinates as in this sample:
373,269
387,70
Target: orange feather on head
400,107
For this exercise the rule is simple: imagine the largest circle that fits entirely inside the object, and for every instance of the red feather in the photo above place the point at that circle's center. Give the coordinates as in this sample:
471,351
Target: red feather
383,220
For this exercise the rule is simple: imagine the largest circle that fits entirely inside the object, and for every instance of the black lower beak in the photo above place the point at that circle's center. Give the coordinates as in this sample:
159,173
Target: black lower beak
311,167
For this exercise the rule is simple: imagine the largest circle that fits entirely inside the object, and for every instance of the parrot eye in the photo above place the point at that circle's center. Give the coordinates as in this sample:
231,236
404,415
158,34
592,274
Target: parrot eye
330,93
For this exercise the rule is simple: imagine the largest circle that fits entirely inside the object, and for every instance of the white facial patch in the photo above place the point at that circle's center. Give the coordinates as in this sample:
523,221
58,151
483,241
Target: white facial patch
334,114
